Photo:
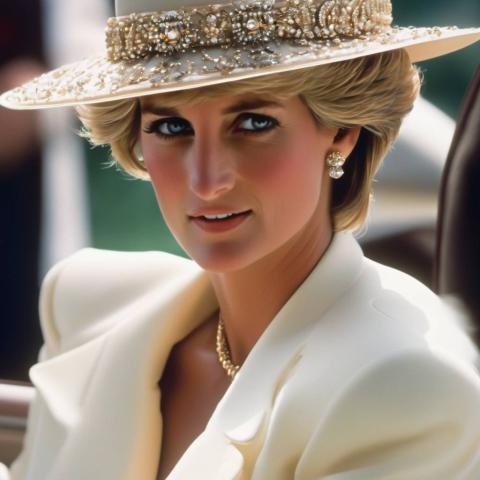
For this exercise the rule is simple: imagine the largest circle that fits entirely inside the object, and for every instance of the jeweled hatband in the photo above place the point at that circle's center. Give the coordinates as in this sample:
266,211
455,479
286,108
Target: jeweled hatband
140,36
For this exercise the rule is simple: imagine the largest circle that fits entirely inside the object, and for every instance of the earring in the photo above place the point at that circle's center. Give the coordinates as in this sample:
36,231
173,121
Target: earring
335,162
137,150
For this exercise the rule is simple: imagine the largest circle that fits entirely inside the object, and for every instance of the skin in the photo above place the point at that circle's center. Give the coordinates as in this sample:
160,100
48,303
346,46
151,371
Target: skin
280,174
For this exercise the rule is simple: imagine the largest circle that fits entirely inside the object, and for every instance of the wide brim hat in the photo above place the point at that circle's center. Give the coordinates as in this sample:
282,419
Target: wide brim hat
155,46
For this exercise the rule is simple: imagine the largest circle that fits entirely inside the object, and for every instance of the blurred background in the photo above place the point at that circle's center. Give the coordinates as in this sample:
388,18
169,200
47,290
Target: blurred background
57,194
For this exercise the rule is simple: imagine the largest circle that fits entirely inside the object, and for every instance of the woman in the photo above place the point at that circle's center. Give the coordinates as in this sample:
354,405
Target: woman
279,351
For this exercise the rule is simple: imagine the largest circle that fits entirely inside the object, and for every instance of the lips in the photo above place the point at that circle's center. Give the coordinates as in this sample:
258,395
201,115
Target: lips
201,214
223,219
221,225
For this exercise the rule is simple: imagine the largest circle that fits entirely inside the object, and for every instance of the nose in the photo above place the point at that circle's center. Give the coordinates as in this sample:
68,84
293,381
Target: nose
211,170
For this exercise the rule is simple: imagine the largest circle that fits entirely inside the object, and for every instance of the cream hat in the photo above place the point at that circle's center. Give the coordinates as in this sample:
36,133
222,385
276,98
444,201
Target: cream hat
156,46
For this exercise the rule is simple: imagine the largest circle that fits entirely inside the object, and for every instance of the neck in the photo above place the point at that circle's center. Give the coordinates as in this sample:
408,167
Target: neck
249,299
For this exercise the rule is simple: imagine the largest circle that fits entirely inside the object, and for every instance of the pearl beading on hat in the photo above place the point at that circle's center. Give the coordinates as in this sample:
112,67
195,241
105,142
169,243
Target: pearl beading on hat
99,79
243,23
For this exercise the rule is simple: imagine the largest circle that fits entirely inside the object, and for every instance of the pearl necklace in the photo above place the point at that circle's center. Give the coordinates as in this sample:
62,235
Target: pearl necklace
223,352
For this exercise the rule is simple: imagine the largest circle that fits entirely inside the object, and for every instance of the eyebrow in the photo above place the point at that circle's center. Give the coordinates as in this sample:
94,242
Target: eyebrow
242,105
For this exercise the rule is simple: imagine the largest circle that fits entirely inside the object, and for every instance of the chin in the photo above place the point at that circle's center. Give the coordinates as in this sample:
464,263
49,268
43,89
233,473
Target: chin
220,263
222,259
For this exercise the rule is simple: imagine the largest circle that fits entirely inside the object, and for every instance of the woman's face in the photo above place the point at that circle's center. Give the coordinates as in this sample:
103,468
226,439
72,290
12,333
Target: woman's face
237,154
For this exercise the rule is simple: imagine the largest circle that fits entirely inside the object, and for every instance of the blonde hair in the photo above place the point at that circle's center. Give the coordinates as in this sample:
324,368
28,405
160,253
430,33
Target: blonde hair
374,92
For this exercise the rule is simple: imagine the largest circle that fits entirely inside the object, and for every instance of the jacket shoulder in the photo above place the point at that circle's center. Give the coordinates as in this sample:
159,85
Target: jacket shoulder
80,293
390,353
395,311
394,292
412,415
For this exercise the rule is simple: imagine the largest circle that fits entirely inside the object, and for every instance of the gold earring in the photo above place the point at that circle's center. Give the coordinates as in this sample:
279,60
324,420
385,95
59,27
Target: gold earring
335,162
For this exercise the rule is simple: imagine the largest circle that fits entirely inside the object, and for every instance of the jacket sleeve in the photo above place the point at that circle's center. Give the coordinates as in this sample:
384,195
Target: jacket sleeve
50,348
413,416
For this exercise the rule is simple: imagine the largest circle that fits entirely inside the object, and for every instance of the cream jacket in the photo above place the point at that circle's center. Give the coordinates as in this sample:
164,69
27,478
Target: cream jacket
360,376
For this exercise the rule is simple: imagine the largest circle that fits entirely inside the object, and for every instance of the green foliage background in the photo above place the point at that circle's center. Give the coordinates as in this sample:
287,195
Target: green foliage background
124,212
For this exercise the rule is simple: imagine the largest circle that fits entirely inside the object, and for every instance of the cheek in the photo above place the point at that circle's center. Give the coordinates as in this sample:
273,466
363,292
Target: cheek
167,177
291,175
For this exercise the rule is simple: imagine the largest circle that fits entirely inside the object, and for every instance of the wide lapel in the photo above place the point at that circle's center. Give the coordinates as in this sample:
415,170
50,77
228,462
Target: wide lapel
228,447
105,394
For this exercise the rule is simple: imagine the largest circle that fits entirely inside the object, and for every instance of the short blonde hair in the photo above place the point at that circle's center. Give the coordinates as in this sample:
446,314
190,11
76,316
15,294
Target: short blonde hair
374,92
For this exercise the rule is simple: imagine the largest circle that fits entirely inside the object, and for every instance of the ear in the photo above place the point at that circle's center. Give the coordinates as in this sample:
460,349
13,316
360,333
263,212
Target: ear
345,140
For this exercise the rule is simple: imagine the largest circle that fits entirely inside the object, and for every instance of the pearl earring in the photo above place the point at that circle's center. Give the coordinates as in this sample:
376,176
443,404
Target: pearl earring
335,162
137,150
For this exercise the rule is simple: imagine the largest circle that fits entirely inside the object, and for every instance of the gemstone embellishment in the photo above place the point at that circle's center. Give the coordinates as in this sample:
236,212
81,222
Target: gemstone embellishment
241,23
219,43
335,161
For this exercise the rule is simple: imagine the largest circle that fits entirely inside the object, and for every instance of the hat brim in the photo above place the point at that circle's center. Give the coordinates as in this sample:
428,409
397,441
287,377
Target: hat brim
97,80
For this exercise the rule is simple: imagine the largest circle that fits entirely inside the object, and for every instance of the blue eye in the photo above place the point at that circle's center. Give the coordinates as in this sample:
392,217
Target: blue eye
256,122
168,128
249,123
174,127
